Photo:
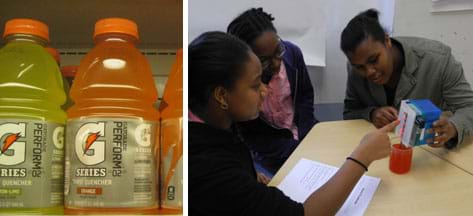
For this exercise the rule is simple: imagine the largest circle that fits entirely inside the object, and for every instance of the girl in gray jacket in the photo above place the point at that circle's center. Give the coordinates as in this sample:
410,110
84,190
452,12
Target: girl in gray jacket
382,71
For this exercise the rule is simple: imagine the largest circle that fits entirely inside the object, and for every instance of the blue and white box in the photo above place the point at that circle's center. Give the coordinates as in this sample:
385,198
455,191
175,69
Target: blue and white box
416,119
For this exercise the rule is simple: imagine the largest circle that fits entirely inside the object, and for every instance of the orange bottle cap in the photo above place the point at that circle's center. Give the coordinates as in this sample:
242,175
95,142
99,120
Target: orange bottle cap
179,54
54,53
69,71
116,25
26,26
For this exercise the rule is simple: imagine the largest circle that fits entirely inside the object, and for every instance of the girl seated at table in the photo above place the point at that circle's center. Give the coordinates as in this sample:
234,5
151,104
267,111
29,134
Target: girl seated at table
225,88
287,113
384,70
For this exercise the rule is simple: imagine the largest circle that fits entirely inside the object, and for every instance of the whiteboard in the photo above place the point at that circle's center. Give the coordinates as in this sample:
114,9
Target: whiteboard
301,22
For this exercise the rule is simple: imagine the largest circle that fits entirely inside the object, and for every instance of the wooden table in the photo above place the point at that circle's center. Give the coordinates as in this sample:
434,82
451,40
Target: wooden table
432,187
462,156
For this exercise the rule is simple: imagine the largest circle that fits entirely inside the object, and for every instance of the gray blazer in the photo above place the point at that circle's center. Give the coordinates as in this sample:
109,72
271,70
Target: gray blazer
430,72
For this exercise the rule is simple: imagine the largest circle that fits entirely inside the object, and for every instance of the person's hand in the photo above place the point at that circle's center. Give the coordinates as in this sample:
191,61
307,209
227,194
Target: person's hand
375,145
445,131
383,116
262,178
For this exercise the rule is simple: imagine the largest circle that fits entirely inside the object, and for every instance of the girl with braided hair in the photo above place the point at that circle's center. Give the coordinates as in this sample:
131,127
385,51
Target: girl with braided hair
287,112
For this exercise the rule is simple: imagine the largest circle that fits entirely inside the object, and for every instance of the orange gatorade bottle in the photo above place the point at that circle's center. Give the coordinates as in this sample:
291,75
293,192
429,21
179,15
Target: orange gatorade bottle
55,54
68,73
31,122
171,141
111,127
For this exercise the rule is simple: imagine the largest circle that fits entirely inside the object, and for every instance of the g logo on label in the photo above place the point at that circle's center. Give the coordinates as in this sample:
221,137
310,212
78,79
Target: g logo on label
143,135
90,150
13,151
58,137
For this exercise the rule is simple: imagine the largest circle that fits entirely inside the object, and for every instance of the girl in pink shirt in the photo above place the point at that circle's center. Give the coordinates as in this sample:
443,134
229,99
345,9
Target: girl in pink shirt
287,113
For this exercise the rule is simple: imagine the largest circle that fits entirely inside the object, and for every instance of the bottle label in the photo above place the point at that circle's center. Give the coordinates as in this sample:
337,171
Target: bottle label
110,163
171,151
31,164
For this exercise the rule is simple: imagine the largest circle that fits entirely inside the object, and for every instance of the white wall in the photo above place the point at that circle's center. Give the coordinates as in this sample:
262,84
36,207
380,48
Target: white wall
455,29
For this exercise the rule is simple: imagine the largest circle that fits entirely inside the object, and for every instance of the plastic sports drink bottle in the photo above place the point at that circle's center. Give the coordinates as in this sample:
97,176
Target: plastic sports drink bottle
55,54
68,73
111,127
171,141
31,122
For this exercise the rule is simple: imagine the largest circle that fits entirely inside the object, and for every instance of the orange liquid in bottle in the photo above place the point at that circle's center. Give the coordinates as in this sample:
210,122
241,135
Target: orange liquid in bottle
171,142
114,83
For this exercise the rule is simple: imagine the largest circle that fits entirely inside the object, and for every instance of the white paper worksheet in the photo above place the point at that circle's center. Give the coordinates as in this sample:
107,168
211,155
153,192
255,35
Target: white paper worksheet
307,176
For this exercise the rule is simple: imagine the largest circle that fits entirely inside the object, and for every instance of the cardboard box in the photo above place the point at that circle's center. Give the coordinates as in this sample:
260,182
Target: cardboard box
416,119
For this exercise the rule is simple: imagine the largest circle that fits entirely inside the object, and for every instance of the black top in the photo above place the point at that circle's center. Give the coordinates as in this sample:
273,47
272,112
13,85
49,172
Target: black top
390,93
222,179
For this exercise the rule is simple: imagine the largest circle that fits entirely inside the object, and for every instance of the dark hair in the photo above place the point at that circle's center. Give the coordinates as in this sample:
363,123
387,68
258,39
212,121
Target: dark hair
215,59
361,27
251,24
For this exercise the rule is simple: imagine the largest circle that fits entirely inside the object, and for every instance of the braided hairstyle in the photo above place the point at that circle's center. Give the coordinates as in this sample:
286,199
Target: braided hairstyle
251,24
361,27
